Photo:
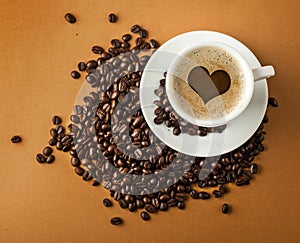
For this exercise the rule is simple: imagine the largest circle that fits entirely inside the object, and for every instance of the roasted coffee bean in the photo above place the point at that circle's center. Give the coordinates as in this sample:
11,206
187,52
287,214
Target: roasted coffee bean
176,131
253,168
91,64
223,189
150,208
145,216
225,208
216,193
86,176
123,204
79,171
116,43
50,159
81,66
16,139
273,102
181,205
158,120
70,18
116,221
41,158
163,206
107,203
106,55
47,151
75,162
204,195
143,33
52,142
95,183
153,43
97,50
75,74
126,37
112,18
194,194
135,28
56,120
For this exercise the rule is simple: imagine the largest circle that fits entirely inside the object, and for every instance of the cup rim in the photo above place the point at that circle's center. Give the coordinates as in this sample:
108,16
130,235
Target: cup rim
210,122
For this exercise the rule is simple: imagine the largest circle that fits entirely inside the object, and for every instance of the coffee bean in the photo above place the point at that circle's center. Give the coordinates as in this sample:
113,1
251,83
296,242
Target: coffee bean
176,131
204,195
112,18
126,37
223,189
95,183
52,142
107,203
216,193
97,50
145,216
75,162
158,120
150,208
91,64
135,28
81,66
16,139
194,194
181,205
86,176
273,102
79,171
50,159
75,74
153,43
116,43
225,208
143,33
41,158
116,221
56,120
47,151
253,168
70,18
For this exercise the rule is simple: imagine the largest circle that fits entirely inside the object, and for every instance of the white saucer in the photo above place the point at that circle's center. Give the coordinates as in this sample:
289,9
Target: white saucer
237,132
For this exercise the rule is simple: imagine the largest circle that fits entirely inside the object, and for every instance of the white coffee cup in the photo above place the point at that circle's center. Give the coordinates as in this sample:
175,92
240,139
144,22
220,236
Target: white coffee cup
249,77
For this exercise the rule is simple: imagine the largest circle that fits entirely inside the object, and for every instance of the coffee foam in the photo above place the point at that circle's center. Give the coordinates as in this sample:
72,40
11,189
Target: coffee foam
212,58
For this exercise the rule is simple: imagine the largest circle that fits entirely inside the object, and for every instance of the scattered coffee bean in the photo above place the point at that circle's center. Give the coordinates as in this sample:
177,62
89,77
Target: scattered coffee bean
97,50
116,221
126,37
50,159
70,18
95,183
204,195
107,203
79,171
41,158
273,102
143,33
216,193
225,208
16,139
92,64
81,66
56,120
52,142
112,18
136,28
181,205
145,216
75,74
253,168
47,151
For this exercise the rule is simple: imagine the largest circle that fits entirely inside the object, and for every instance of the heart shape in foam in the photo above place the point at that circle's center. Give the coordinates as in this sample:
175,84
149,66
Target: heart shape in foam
208,86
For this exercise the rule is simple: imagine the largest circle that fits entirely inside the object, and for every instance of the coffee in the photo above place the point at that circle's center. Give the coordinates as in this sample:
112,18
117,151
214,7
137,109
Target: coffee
212,59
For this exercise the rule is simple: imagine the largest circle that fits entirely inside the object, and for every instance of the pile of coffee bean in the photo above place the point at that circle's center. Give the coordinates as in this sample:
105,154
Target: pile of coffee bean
164,113
110,142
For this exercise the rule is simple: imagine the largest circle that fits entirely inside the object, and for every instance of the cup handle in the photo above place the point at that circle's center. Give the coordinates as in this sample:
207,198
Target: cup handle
263,72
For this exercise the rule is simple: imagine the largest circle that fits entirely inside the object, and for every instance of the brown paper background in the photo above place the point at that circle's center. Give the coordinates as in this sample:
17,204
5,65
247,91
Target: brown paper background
49,203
